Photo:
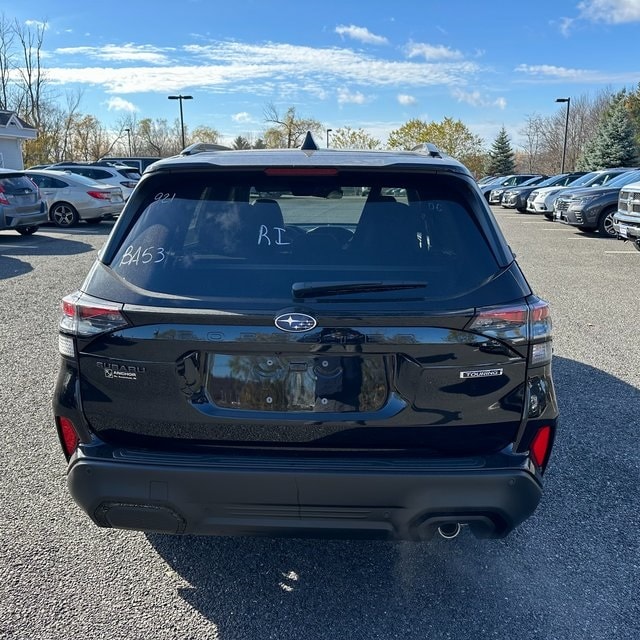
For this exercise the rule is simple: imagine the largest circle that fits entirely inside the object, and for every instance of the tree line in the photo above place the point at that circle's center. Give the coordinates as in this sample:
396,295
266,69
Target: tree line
601,131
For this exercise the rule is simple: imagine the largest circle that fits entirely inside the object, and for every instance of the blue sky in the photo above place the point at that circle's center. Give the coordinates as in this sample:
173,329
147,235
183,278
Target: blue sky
367,64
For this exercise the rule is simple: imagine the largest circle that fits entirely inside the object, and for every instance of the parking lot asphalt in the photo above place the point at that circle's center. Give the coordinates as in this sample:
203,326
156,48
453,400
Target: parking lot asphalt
570,572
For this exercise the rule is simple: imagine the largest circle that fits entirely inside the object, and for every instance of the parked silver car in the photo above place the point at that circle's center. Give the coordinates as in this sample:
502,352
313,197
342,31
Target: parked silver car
71,197
21,207
121,176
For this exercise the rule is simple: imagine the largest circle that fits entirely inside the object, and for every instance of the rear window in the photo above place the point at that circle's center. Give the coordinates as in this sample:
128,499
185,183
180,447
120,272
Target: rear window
247,234
16,185
130,174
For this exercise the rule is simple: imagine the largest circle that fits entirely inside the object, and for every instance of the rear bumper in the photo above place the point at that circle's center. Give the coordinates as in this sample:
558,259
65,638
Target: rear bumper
390,498
91,213
13,219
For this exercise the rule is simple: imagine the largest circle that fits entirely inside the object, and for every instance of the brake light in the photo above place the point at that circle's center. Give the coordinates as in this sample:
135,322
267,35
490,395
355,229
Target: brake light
100,195
540,320
84,315
302,171
509,324
541,446
68,436
517,325
3,199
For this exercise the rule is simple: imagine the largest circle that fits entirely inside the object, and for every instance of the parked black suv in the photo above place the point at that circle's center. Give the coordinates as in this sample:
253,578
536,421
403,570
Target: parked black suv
325,364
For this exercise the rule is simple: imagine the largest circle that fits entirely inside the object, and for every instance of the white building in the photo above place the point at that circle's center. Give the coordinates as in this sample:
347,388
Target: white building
13,132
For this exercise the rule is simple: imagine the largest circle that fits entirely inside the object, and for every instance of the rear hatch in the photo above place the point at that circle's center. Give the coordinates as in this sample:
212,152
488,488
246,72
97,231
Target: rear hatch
323,319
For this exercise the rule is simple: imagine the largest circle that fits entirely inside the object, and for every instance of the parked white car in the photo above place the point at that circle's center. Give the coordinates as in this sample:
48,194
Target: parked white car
71,197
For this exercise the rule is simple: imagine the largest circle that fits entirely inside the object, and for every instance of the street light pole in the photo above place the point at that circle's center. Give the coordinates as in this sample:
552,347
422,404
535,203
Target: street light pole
328,132
129,137
181,98
566,129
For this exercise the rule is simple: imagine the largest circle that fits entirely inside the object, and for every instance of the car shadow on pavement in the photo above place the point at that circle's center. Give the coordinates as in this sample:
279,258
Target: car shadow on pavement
11,267
13,247
565,573
102,229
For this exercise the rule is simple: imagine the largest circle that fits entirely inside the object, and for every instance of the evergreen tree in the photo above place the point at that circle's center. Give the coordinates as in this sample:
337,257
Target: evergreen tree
502,159
614,144
241,143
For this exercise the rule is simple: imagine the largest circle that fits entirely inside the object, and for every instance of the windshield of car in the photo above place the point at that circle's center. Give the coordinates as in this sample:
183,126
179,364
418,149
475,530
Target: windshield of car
537,180
553,180
601,178
587,179
238,234
623,179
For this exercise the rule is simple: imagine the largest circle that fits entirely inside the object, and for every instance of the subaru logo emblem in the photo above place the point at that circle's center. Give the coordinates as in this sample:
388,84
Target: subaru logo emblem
295,322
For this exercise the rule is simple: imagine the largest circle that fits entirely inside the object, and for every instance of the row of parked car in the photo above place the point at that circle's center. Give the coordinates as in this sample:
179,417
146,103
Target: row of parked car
64,194
587,201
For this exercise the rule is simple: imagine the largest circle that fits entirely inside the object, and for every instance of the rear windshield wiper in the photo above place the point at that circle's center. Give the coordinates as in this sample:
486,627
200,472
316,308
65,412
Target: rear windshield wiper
315,289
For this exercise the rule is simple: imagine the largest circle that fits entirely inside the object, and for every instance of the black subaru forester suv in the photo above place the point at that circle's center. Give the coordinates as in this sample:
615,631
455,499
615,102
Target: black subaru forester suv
306,342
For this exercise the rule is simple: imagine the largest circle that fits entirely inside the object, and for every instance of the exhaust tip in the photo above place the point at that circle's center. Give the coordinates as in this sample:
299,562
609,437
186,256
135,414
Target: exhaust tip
450,530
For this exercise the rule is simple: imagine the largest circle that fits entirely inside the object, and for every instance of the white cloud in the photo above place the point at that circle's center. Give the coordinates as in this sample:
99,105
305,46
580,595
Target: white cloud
347,97
38,24
551,71
120,53
476,99
362,34
263,69
241,117
610,11
545,73
120,104
565,25
406,100
431,52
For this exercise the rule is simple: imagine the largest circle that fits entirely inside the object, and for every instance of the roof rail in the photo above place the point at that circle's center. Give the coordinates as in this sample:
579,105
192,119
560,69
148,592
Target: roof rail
428,147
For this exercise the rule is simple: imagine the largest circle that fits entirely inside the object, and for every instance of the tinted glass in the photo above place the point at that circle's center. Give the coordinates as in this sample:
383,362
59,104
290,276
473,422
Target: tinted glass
16,185
130,174
623,179
246,235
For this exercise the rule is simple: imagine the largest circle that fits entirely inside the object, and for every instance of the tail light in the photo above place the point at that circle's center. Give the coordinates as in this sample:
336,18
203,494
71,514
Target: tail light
518,325
3,198
100,195
68,436
541,446
86,316
129,184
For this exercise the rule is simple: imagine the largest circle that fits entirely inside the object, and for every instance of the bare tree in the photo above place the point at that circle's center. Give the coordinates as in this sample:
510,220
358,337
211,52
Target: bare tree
6,60
31,72
532,134
157,138
289,130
